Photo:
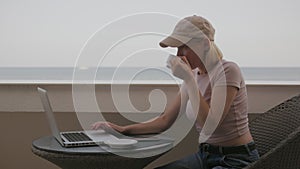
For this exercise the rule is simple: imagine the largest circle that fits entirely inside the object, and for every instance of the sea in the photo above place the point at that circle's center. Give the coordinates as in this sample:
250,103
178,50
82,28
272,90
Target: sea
141,75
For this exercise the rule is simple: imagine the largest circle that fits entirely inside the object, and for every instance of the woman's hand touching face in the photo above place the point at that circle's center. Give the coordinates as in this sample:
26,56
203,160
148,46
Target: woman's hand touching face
180,67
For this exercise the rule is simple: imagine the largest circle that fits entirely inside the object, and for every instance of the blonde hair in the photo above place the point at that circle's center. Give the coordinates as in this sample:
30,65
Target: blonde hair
215,50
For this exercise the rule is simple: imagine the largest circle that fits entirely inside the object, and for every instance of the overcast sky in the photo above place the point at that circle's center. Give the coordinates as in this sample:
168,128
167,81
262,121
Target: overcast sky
111,33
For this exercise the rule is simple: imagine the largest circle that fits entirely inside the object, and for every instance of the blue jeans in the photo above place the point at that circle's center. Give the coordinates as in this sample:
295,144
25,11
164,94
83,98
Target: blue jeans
205,159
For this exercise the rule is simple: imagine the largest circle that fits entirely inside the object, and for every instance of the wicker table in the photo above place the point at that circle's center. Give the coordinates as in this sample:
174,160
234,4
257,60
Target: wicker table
99,156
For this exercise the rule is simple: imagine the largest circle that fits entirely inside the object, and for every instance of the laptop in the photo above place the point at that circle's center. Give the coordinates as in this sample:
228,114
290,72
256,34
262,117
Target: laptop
72,138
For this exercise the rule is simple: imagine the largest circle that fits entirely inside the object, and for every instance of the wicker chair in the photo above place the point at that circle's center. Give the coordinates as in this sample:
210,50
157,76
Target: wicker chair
277,136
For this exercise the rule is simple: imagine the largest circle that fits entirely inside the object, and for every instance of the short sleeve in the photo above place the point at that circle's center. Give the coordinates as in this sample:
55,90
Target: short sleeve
229,75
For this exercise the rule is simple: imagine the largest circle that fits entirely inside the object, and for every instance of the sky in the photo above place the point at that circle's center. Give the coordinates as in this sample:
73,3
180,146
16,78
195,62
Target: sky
67,33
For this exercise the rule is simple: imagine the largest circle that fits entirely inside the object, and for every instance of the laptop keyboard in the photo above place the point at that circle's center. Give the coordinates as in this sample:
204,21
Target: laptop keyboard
74,137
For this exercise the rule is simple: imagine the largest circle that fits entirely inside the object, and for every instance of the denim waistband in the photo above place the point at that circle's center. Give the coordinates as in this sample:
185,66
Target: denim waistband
242,149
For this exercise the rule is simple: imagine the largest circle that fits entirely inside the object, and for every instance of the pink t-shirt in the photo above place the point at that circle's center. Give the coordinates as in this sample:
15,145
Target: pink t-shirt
235,123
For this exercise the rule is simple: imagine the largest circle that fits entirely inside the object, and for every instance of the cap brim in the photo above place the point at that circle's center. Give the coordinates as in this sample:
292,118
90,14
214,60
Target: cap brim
174,41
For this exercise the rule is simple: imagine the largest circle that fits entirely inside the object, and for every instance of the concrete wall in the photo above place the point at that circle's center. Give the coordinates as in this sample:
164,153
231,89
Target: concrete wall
22,119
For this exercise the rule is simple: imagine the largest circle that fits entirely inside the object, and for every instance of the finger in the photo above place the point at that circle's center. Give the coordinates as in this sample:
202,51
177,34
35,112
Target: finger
94,126
97,125
185,60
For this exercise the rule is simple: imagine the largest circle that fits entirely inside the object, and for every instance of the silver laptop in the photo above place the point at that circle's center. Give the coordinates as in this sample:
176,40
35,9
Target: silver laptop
72,138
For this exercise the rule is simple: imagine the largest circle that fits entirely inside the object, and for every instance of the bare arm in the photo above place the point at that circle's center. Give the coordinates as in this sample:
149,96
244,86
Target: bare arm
160,123
222,98
156,125
218,110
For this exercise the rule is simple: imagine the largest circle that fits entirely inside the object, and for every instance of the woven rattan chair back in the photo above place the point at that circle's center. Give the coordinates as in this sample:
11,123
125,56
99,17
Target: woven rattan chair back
276,124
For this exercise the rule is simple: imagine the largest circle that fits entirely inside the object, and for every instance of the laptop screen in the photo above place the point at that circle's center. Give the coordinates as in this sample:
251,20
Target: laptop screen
49,114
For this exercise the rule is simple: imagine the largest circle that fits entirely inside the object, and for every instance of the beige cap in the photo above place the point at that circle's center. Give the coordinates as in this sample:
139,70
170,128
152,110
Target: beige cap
187,29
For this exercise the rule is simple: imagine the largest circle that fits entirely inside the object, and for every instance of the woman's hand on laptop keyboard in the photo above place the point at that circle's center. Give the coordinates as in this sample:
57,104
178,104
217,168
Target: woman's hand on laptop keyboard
108,127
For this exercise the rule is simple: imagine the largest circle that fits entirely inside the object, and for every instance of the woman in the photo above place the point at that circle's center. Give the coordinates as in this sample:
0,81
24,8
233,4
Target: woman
218,104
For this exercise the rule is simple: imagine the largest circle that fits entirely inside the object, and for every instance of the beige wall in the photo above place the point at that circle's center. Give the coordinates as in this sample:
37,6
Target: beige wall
22,120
